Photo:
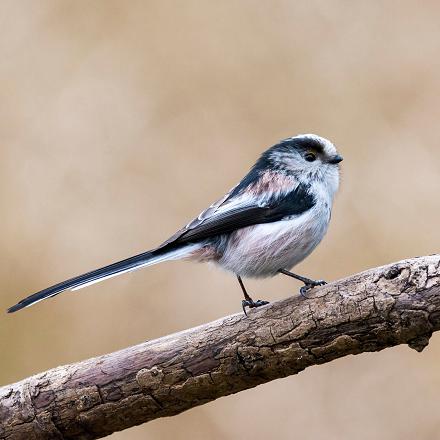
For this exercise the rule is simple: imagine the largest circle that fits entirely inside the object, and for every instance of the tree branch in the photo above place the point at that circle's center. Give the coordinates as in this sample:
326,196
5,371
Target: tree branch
379,308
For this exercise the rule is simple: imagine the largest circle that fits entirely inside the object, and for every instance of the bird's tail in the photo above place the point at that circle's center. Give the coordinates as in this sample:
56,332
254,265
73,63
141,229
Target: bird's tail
95,276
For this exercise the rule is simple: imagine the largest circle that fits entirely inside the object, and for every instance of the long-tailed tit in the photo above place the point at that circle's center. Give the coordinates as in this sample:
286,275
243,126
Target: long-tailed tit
268,223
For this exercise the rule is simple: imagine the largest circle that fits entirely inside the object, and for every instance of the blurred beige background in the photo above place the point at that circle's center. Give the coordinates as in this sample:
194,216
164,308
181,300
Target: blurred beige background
119,121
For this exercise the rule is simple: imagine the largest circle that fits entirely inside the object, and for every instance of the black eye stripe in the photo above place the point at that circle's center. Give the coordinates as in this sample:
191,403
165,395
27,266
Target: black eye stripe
304,144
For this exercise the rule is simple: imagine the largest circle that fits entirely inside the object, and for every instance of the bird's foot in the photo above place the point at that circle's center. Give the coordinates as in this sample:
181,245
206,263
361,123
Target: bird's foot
252,304
310,284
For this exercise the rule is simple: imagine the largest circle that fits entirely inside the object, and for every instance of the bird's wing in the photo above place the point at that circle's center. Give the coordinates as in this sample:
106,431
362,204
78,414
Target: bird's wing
239,212
207,213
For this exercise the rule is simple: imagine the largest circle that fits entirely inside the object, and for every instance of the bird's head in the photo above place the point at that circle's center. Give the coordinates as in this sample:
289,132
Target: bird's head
307,156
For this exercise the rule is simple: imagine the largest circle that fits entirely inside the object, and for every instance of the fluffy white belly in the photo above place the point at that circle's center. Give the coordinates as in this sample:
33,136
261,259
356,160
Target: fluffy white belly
261,250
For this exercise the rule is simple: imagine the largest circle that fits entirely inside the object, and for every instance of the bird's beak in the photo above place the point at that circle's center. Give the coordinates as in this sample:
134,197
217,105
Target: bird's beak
335,159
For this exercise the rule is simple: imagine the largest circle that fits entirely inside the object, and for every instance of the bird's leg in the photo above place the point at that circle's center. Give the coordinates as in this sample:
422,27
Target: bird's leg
248,301
308,283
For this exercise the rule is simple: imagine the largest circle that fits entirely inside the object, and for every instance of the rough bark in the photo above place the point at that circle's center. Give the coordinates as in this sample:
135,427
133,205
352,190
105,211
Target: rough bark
379,308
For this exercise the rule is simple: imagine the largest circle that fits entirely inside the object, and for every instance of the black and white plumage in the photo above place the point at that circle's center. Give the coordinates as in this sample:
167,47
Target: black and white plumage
268,223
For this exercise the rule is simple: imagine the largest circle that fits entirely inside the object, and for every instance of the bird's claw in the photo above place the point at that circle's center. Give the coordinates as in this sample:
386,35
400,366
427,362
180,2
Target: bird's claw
252,304
310,285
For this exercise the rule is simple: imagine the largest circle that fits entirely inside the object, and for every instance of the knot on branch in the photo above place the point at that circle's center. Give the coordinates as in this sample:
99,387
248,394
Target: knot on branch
149,379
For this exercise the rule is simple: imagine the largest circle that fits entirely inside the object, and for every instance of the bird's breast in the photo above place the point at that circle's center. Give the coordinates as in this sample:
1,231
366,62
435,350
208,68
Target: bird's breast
261,250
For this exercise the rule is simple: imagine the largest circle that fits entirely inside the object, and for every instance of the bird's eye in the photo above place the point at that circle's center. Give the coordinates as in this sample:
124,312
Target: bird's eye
310,157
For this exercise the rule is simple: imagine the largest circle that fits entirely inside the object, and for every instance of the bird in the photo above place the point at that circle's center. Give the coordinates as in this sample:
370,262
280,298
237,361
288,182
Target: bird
264,226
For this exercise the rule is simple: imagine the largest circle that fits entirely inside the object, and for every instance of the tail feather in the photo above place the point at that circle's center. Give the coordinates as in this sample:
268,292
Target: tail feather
130,264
